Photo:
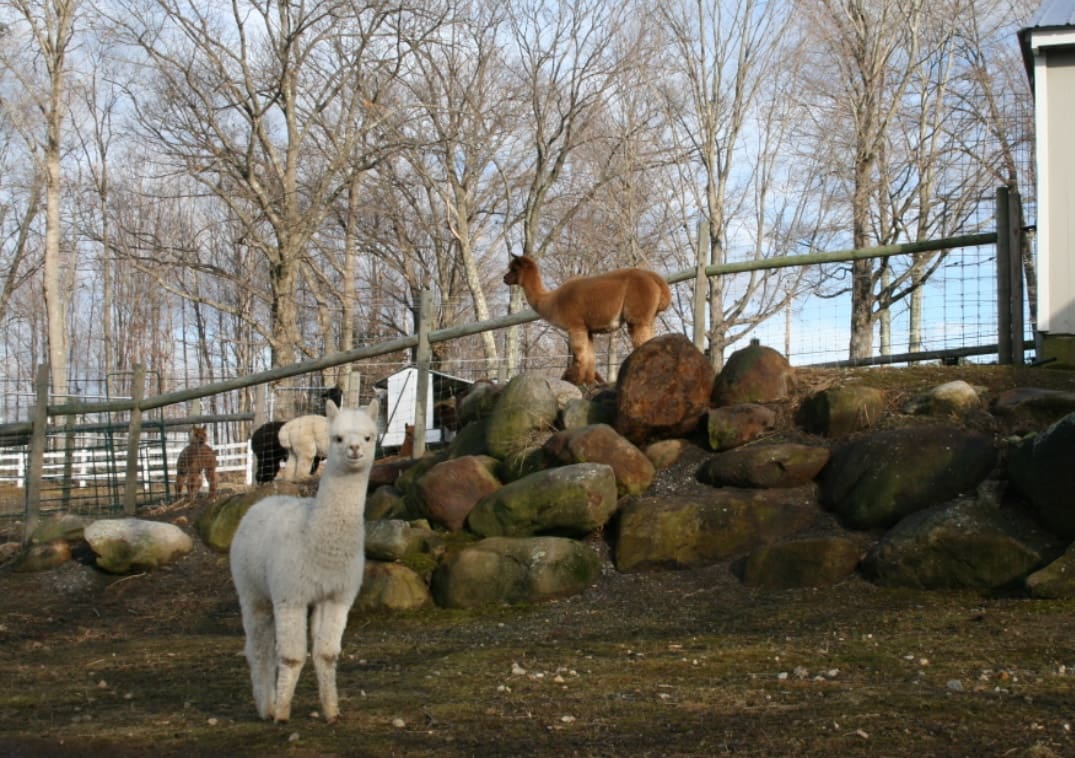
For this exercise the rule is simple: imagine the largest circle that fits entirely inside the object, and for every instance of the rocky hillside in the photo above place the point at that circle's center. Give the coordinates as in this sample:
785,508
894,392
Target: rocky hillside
924,477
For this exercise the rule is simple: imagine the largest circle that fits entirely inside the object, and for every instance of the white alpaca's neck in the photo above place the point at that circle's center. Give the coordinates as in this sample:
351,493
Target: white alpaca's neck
337,513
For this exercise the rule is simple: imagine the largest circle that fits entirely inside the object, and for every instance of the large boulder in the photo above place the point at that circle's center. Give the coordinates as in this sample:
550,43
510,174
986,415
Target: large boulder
600,443
781,465
391,587
523,416
217,523
663,390
1031,409
131,544
570,500
877,480
735,425
396,540
450,490
754,374
1042,469
955,398
969,543
838,411
687,531
812,562
514,570
1056,580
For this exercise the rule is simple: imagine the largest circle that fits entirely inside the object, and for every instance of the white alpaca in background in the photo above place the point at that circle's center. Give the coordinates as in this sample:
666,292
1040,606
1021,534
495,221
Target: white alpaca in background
296,557
305,438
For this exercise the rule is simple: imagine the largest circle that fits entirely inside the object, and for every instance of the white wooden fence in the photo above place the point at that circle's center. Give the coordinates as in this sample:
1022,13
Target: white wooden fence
98,465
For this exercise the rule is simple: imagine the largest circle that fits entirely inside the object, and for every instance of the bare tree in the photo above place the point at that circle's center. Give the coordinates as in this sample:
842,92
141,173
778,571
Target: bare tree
863,63
566,62
51,29
257,103
466,113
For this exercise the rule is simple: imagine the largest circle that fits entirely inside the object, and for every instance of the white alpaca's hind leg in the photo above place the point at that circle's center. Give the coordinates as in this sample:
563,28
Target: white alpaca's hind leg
261,655
329,620
290,623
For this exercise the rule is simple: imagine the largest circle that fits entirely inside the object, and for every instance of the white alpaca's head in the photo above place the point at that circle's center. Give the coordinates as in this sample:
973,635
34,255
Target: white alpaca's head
352,437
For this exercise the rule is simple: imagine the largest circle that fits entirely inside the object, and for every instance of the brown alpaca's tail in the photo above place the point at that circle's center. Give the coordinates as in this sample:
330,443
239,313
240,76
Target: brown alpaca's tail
666,293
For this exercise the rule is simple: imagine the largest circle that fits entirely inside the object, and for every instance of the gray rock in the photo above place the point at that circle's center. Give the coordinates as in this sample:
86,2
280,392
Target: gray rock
685,531
128,544
1057,580
815,562
391,587
778,465
956,398
514,570
1042,469
523,418
877,480
570,500
394,540
970,543
838,411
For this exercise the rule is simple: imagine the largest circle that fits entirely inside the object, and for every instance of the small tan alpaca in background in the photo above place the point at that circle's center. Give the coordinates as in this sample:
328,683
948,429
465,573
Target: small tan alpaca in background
589,305
195,459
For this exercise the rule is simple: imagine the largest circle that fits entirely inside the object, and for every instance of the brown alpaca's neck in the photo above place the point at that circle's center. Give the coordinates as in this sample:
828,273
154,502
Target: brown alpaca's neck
534,289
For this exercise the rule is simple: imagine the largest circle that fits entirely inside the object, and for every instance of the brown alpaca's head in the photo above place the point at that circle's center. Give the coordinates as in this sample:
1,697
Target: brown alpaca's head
516,267
198,435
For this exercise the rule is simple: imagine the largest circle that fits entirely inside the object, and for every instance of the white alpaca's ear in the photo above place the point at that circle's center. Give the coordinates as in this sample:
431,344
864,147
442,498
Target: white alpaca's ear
373,409
330,409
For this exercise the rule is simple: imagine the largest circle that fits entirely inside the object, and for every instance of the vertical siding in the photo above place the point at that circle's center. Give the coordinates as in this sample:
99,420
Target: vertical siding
1060,123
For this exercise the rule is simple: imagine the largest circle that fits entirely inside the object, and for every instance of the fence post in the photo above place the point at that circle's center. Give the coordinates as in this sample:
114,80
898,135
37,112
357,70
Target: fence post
1004,280
1015,273
37,452
422,359
134,433
701,286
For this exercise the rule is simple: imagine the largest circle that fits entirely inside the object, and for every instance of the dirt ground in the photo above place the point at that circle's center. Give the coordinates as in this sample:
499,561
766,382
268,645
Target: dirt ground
665,663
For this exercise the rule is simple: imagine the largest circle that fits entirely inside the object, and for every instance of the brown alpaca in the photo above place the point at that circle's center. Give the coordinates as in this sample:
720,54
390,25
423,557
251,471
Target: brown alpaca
196,457
589,305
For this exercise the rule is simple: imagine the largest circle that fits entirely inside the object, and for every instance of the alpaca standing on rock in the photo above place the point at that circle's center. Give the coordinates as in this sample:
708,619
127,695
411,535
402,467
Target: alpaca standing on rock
297,558
197,457
589,305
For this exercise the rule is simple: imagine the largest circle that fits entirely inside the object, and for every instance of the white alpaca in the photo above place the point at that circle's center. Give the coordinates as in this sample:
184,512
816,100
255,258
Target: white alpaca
293,557
305,438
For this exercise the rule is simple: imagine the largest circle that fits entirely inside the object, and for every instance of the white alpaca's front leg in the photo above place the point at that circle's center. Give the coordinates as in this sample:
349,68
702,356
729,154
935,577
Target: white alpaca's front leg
260,652
290,622
329,622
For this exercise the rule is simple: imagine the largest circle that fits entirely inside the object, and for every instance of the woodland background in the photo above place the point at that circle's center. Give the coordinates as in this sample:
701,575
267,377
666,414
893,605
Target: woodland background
211,190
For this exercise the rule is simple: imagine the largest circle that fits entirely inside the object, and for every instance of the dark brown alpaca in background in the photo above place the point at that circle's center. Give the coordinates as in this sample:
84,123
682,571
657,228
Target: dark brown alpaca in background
589,305
195,459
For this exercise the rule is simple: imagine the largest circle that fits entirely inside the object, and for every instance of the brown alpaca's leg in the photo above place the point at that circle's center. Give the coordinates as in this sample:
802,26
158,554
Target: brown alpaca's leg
583,365
210,474
640,332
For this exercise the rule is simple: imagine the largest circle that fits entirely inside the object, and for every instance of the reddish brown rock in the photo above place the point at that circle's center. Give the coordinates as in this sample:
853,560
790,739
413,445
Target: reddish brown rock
736,425
450,490
599,443
663,390
755,374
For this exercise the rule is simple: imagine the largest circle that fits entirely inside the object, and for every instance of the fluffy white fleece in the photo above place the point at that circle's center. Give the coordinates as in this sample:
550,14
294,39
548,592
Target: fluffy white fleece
304,438
298,558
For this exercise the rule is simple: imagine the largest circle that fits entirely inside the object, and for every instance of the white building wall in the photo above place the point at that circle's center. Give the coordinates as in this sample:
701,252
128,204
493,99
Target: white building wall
400,406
